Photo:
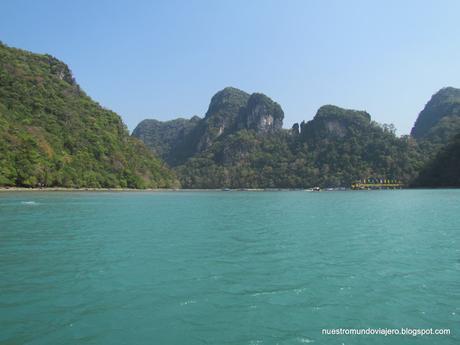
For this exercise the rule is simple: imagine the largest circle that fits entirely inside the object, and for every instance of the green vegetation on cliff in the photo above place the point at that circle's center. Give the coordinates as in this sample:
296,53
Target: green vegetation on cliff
439,121
53,134
240,143
437,130
345,145
230,111
444,169
167,139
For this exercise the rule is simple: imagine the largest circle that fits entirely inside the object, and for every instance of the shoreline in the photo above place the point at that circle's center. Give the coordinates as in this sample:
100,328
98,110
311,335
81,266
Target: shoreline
68,189
159,190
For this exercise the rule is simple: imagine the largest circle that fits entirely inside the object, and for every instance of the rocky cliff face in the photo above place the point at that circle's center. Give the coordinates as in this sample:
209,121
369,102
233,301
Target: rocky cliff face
60,70
262,114
222,115
230,111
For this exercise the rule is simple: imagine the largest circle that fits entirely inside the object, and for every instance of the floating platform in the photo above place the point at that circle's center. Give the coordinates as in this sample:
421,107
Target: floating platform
376,184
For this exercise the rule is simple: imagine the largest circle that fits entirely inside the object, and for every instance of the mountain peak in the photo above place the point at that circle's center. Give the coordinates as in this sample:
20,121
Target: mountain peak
333,111
334,121
229,99
230,110
443,107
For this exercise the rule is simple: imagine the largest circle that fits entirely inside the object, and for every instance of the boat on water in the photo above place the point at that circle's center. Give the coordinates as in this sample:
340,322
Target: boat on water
314,189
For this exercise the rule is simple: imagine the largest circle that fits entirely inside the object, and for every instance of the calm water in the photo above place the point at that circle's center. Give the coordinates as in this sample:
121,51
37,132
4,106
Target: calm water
228,268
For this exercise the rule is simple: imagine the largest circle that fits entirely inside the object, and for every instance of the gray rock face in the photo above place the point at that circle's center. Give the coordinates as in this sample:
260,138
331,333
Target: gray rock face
60,70
295,130
336,128
262,114
222,115
231,110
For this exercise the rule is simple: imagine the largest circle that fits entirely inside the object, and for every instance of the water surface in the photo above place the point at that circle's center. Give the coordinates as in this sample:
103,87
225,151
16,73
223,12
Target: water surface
228,267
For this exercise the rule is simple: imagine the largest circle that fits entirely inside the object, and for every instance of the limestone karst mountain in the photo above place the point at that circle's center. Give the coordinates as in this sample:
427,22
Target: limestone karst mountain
240,143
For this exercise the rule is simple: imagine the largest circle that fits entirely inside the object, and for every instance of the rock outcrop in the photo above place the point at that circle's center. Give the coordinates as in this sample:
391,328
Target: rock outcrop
262,114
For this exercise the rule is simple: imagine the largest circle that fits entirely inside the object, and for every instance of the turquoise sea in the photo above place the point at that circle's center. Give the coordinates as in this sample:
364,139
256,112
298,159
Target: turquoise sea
228,267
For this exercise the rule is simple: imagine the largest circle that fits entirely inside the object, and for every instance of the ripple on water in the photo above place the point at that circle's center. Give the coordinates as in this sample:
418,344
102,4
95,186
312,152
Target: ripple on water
29,203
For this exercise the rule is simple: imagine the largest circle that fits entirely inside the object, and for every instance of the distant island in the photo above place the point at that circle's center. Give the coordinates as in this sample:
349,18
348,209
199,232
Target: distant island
240,143
53,135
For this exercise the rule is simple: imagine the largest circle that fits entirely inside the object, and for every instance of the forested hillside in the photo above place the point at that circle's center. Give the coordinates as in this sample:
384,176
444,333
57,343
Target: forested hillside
240,143
437,130
439,121
53,134
444,169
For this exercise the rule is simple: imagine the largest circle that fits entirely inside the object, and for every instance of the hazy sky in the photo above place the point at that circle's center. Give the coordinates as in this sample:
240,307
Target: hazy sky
164,59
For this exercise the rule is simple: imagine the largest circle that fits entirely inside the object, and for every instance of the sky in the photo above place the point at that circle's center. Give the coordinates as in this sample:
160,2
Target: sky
166,59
